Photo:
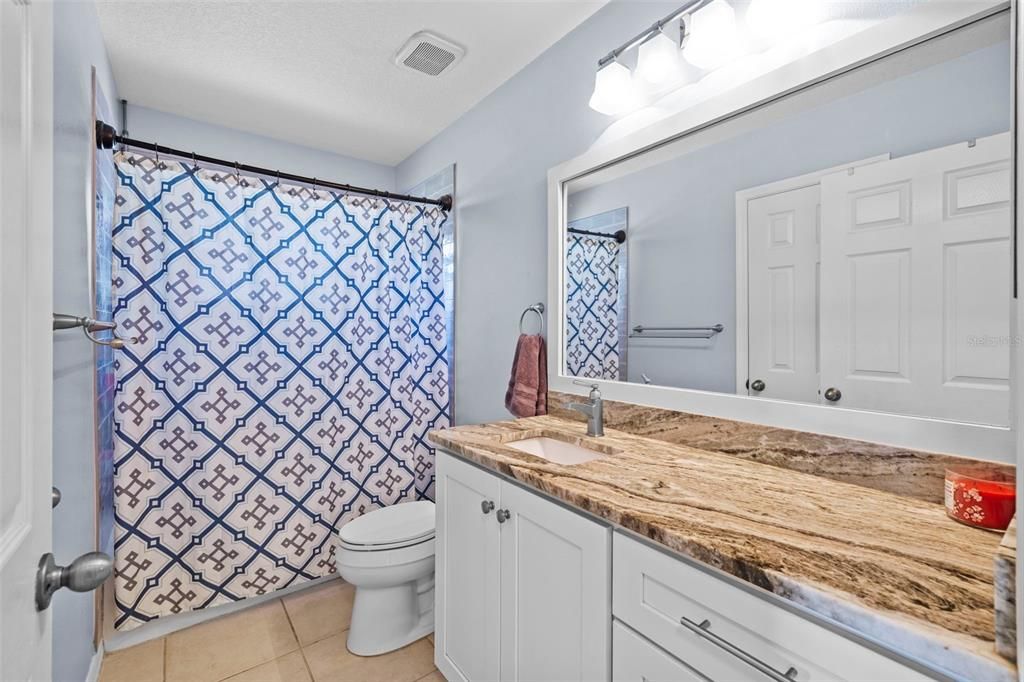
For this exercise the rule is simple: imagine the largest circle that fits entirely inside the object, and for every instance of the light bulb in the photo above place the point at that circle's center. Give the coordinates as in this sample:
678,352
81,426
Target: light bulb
659,60
714,39
775,20
613,89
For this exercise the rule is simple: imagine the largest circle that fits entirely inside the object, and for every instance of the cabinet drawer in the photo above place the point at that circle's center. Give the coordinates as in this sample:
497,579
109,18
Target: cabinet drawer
653,592
634,659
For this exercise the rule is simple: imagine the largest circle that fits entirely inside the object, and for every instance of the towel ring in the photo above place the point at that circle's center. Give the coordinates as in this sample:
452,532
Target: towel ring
535,308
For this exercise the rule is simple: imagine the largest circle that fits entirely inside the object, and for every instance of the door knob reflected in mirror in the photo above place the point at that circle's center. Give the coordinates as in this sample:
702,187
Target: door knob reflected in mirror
757,385
833,394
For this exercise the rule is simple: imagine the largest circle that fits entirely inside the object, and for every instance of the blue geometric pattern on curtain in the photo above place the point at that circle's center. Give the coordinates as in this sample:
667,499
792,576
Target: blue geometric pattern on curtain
290,362
593,298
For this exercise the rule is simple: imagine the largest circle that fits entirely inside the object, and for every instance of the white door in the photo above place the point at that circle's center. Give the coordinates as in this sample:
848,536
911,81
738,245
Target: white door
467,572
783,261
555,592
915,284
26,151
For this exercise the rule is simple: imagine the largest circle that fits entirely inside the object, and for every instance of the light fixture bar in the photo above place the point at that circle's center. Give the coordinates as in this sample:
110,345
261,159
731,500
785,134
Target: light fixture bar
687,8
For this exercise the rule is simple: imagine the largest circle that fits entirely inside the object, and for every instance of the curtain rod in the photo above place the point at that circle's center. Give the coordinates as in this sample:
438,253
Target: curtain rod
619,236
107,137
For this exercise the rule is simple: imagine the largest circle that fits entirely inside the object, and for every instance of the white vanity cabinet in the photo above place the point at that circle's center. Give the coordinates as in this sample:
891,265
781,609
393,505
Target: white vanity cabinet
722,631
528,590
523,584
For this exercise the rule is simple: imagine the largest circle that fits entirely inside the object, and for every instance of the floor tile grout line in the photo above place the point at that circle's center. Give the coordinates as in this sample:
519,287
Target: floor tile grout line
245,611
295,634
322,638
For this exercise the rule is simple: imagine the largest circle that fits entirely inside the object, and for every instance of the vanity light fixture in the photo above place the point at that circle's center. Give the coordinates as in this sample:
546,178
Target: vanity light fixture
613,89
714,38
775,20
659,60
704,33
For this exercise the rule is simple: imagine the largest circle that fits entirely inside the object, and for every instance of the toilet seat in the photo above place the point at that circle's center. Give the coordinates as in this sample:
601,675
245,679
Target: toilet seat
389,528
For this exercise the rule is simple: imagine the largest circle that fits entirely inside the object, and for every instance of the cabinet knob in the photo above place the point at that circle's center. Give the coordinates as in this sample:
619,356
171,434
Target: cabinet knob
487,506
503,515
833,394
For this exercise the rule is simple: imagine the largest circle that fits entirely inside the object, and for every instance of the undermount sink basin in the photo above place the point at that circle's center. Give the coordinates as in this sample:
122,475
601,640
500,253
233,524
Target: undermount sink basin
556,451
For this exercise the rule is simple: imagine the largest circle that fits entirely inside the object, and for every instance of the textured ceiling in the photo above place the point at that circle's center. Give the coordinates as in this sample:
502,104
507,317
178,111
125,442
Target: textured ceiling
320,73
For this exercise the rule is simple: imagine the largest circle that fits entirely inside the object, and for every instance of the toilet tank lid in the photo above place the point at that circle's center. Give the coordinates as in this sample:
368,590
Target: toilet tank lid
388,525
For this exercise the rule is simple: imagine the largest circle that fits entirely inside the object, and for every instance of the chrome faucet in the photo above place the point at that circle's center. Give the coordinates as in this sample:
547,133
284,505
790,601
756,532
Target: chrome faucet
594,409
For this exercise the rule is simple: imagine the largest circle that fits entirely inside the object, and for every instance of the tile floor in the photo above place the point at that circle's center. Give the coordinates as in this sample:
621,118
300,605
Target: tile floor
299,638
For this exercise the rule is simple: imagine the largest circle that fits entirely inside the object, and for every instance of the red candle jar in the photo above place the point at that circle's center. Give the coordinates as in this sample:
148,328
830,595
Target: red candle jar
980,497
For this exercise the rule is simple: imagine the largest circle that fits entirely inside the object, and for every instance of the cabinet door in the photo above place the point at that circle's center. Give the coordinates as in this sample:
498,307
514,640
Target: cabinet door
634,659
555,586
467,573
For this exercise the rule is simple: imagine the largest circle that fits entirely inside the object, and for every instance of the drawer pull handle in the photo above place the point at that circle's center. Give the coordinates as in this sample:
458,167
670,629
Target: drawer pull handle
704,630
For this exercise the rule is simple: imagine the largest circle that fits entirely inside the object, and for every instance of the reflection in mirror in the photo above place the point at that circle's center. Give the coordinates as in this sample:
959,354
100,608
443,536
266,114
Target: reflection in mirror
596,280
848,245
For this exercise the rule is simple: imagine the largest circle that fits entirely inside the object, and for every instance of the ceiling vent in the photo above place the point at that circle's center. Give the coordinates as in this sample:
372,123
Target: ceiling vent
429,54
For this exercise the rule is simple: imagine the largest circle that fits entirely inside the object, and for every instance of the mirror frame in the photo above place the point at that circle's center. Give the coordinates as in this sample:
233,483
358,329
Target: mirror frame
918,24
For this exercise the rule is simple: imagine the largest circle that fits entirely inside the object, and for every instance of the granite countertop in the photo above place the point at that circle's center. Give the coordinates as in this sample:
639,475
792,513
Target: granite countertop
895,569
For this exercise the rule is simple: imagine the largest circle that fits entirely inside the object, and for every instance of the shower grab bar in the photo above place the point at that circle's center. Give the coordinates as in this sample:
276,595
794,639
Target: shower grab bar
676,332
90,327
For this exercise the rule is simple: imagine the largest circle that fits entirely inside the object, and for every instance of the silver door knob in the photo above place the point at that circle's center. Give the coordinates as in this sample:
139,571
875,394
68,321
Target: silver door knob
487,506
757,385
503,515
85,573
833,394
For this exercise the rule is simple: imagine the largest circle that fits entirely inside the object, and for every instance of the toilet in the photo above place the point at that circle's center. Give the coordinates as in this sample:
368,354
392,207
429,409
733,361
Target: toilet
388,555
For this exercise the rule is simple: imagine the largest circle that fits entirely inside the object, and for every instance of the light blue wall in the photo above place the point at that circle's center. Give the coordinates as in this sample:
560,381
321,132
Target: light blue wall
682,213
78,46
503,148
188,134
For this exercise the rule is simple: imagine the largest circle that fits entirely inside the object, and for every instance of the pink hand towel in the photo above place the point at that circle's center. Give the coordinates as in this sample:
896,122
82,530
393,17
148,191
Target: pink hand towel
527,394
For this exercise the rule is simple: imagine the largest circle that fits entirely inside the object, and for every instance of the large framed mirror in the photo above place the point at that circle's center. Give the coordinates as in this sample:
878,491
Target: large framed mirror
831,241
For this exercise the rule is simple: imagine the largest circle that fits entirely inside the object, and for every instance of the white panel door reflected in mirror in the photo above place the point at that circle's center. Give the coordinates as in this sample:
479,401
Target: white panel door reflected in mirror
849,245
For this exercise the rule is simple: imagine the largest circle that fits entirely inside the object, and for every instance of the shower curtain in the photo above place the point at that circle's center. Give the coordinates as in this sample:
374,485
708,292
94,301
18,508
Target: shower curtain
594,295
288,364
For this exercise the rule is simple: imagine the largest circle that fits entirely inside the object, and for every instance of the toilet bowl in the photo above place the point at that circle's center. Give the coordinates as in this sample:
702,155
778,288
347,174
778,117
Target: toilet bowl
388,555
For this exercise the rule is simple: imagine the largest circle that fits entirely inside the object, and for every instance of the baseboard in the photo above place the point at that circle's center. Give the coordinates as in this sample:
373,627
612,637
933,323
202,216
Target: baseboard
95,664
161,627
